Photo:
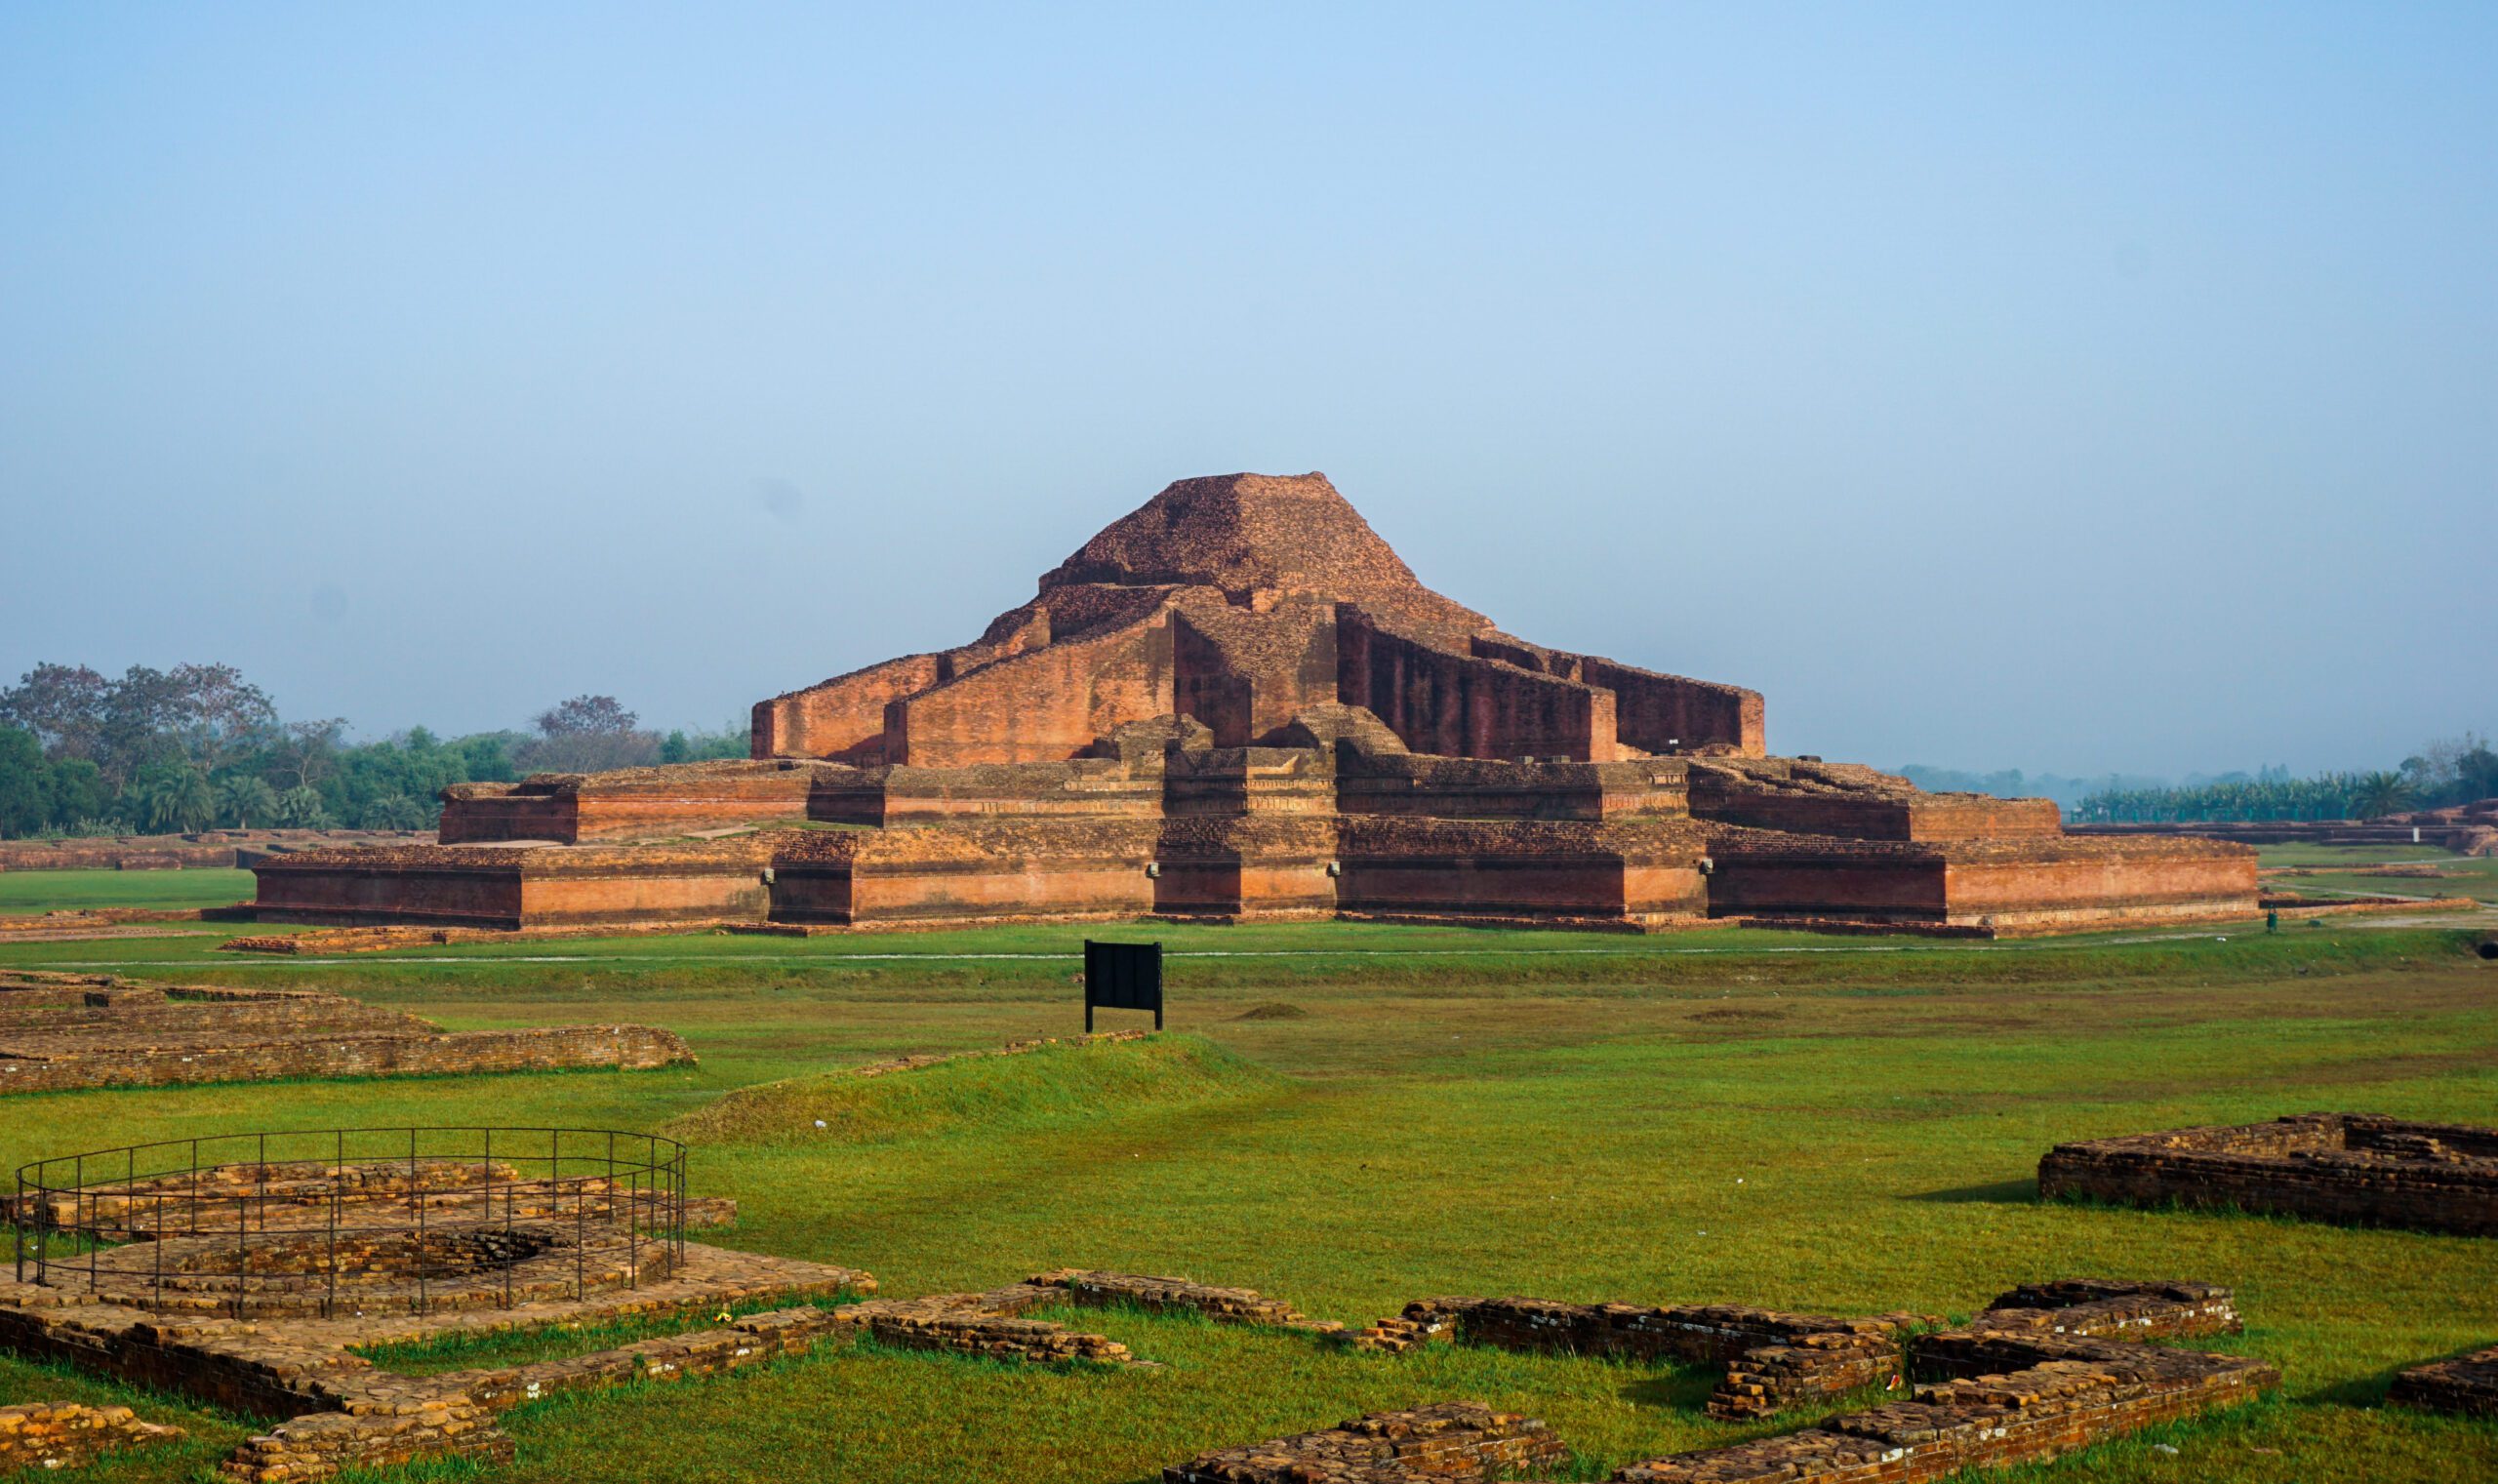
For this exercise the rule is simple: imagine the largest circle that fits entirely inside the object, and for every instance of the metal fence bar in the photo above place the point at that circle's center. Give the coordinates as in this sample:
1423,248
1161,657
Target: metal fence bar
644,1190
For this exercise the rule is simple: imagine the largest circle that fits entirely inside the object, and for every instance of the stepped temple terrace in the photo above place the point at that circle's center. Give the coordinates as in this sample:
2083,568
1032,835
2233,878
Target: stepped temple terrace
1237,702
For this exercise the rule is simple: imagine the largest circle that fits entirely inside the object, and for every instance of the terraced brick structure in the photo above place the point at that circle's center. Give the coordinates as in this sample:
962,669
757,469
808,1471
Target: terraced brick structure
1236,701
2359,1168
70,1030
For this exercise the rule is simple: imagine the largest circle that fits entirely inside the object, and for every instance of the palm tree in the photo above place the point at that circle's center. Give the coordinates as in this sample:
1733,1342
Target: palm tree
179,801
396,811
302,808
2375,795
244,798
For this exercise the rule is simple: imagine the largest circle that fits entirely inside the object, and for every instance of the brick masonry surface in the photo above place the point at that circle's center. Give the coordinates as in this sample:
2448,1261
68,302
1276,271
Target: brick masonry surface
2037,1396
2035,1375
2354,1168
2047,1368
335,1409
2466,1384
46,1436
1236,701
1448,1440
61,1031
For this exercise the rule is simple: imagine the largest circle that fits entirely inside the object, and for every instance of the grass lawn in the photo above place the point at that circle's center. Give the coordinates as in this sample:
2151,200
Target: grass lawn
1353,1116
23,892
2458,875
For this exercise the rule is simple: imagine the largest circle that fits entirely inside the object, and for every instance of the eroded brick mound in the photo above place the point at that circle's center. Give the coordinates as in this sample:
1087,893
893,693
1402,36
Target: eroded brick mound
1446,1440
65,1030
2466,1384
62,1434
2355,1168
1257,537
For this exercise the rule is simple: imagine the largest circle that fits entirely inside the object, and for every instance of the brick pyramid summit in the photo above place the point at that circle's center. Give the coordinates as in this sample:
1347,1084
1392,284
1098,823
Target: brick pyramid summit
1236,700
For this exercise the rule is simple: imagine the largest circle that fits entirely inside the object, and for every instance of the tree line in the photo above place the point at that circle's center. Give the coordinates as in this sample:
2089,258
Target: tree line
2448,771
198,747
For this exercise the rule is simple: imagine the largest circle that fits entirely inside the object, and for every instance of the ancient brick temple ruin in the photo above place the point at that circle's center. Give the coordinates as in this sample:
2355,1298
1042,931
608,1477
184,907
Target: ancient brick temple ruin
1236,701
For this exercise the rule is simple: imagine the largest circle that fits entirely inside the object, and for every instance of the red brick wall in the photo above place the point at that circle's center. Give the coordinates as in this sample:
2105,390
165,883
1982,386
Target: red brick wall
492,818
1650,709
485,897
1039,706
1462,707
1929,818
843,715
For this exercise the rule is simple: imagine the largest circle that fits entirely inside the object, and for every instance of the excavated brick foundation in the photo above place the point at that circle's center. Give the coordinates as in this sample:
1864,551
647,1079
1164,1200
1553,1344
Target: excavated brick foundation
2466,1384
2354,1168
61,1031
2031,1397
335,1409
1773,1359
1448,1440
64,1434
2046,1368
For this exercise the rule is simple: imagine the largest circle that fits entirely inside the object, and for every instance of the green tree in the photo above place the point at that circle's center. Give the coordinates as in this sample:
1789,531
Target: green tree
175,799
398,811
246,799
302,808
2375,795
25,783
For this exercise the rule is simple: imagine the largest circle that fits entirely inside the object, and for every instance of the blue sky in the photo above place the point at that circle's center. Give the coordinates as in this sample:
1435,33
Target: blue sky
2073,388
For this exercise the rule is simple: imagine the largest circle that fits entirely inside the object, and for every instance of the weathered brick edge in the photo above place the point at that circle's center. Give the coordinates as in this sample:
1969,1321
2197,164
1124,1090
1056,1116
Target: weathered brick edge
1446,1440
1774,1359
2466,1384
63,1435
2032,1398
2354,1168
339,1408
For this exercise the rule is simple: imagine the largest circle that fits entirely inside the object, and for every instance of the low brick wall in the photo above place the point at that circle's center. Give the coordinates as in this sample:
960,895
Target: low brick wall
2352,1168
1162,1295
2032,1397
991,1325
1445,1441
64,1434
1774,1359
337,1409
2466,1384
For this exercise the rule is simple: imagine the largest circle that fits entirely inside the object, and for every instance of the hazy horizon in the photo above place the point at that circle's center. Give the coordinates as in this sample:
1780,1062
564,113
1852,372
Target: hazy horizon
2078,393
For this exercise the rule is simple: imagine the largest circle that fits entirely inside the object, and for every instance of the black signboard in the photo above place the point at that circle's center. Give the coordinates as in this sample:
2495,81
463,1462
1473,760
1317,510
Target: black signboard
1122,975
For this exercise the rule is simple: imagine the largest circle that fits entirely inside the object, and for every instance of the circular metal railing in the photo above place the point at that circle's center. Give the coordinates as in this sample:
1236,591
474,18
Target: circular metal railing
354,1220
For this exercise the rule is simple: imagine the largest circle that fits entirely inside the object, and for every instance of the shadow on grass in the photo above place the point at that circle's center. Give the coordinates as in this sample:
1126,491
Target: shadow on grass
1684,1388
2002,1193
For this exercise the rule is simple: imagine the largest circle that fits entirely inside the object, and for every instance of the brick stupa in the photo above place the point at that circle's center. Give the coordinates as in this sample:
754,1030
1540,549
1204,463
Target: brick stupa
1238,701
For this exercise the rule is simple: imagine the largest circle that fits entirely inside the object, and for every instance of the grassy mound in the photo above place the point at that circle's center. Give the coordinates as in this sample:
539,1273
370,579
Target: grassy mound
1274,1010
1063,1082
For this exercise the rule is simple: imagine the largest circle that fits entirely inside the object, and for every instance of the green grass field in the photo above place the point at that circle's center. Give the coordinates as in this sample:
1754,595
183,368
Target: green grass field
1353,1116
28,892
2457,876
